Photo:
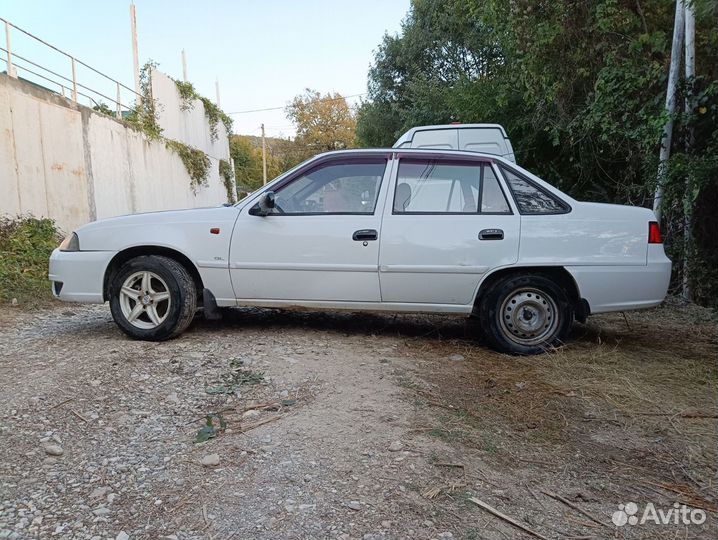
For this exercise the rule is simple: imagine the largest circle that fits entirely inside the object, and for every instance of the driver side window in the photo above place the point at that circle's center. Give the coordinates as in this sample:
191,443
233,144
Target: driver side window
346,187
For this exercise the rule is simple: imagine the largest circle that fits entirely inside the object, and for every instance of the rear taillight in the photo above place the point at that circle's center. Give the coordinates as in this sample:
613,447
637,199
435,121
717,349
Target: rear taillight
654,233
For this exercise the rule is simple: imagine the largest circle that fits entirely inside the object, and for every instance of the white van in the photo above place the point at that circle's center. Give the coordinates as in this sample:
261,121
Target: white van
485,138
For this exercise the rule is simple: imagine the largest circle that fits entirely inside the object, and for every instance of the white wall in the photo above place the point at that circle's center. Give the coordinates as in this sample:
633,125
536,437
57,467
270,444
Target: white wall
188,126
42,162
69,163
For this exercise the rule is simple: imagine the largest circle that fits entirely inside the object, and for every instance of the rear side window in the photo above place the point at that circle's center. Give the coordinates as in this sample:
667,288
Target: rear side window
530,198
493,200
432,187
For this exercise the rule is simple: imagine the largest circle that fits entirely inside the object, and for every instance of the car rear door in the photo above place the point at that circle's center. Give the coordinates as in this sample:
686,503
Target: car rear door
447,221
321,242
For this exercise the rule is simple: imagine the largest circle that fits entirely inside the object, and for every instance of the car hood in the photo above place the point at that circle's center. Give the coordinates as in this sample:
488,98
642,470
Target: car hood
164,217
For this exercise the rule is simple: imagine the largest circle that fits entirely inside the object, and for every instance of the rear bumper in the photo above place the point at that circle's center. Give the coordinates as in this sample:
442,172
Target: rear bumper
623,288
77,276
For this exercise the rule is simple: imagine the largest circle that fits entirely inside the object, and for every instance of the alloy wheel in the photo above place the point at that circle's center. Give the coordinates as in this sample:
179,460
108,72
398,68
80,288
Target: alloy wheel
145,300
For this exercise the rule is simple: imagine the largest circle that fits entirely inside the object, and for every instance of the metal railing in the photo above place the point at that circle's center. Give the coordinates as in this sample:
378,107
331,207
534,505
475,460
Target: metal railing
65,83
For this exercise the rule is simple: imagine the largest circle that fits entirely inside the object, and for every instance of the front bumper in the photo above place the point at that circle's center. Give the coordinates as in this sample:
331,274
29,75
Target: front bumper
77,276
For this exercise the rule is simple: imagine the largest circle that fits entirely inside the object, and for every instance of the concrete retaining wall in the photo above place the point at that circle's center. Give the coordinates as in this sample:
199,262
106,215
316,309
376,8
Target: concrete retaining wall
69,163
188,125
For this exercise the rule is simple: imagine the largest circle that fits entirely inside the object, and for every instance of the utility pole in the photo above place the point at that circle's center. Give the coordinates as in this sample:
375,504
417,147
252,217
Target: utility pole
184,66
690,68
216,88
135,50
673,73
264,158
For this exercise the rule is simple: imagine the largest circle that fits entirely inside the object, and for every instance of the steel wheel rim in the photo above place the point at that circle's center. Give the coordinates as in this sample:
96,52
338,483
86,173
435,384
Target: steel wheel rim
145,300
529,316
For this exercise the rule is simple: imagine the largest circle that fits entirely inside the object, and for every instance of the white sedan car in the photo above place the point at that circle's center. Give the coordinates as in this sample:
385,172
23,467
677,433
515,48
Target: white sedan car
397,230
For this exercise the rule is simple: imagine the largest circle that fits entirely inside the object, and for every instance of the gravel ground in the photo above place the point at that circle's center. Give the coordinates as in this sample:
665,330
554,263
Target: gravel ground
325,426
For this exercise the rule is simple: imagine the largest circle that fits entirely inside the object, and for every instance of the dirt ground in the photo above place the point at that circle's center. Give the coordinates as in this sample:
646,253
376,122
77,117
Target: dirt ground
353,426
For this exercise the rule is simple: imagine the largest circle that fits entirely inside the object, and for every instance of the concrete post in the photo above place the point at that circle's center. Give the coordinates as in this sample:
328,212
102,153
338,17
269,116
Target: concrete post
74,80
118,111
135,50
8,46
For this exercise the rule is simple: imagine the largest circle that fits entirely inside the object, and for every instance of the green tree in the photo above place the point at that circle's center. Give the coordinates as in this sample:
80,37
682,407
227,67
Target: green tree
247,163
246,151
323,123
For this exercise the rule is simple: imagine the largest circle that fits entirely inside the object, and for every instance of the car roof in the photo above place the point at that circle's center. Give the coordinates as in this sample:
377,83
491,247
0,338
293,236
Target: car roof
385,152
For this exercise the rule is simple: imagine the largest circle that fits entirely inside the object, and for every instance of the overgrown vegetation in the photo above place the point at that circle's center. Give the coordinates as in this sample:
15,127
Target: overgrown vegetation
103,108
25,247
214,114
144,115
227,175
187,94
195,161
144,118
580,88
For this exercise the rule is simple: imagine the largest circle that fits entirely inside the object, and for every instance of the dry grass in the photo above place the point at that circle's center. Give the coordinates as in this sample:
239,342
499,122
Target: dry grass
631,399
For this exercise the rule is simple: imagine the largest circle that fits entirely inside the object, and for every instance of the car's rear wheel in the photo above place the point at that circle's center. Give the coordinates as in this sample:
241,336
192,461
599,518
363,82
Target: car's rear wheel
525,314
153,298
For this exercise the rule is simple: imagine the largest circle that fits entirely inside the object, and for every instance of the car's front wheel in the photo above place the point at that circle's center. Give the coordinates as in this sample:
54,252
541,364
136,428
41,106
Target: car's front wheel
525,314
152,298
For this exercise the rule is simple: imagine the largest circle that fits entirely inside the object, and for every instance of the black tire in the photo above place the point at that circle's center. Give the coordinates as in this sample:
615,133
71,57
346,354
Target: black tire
541,322
182,297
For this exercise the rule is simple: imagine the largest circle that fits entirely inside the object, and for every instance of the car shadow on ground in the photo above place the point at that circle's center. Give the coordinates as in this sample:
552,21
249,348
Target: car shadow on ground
402,325
439,328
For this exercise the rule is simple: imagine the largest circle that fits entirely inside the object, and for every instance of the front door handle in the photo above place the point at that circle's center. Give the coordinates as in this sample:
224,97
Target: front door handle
491,234
362,235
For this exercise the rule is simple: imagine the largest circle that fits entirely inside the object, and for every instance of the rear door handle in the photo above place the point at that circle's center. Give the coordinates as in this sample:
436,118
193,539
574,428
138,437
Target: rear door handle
362,235
491,234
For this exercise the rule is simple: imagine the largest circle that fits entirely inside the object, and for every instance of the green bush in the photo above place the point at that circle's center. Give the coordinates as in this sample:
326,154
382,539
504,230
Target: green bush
25,247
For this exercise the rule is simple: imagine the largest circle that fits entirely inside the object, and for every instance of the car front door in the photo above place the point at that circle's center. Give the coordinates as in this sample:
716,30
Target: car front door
320,241
447,222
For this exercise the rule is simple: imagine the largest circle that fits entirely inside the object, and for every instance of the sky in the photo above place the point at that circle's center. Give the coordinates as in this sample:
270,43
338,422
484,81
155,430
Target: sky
262,52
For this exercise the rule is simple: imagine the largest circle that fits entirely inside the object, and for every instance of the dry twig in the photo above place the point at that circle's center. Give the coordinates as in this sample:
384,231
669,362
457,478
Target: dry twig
73,411
575,507
507,519
68,400
692,497
435,491
247,427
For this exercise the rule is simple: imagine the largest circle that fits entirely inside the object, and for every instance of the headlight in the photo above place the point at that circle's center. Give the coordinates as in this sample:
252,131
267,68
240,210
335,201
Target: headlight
70,243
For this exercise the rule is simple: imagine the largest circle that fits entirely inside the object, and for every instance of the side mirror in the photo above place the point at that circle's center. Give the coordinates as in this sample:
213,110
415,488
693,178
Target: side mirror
264,206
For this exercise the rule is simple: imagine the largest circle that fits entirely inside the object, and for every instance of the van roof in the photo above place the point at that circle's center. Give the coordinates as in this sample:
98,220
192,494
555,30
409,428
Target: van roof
409,135
419,151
